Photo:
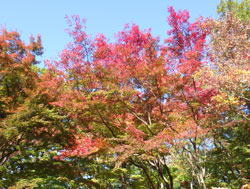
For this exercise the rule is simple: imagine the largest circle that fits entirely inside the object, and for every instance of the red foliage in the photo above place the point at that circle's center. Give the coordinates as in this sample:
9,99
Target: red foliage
83,146
133,94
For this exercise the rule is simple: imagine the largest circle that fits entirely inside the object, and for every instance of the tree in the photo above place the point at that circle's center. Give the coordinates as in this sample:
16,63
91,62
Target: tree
28,124
17,79
133,100
230,59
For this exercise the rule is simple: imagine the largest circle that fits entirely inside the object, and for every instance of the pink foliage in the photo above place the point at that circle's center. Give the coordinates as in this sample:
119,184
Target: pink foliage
83,146
134,86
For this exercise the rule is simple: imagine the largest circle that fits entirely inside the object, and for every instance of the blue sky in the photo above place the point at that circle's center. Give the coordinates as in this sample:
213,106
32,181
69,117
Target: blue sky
46,17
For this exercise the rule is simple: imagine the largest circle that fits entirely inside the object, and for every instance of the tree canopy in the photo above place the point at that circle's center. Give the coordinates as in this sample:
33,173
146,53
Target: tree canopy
132,113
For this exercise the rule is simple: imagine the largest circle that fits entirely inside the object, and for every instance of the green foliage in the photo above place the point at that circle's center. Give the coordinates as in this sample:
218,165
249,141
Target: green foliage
229,159
239,8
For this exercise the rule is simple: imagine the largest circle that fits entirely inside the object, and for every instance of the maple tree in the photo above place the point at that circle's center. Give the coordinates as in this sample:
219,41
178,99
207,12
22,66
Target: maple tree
16,82
134,98
28,125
